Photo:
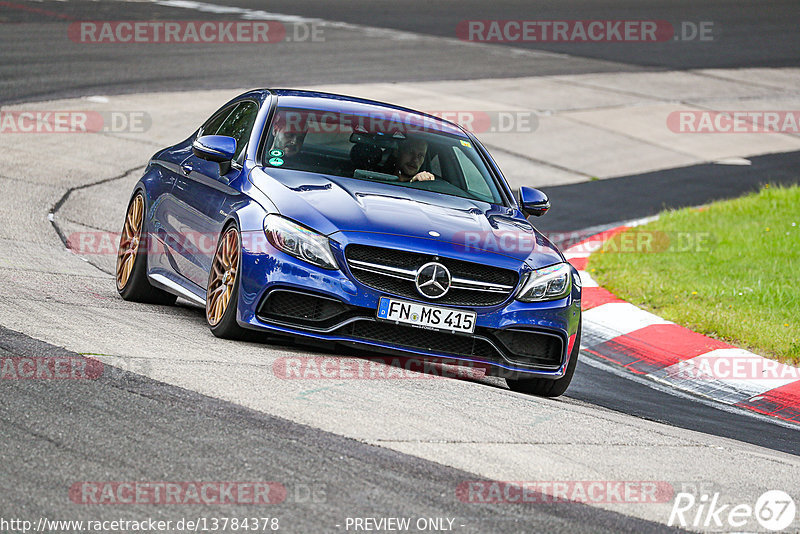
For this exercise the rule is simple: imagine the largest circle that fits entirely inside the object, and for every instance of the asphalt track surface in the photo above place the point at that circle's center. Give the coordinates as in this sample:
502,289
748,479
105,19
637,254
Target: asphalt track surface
141,429
40,62
743,34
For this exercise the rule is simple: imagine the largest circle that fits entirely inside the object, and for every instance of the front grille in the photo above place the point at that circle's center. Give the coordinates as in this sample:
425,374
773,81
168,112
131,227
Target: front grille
528,347
402,283
419,338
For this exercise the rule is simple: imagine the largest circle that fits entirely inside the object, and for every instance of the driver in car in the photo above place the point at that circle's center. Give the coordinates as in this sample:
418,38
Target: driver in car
289,131
410,157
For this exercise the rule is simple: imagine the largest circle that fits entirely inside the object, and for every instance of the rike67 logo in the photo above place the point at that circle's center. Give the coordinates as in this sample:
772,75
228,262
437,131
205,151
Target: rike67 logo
774,510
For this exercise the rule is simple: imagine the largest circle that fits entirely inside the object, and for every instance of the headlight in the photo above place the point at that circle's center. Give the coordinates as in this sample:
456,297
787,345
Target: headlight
299,241
550,283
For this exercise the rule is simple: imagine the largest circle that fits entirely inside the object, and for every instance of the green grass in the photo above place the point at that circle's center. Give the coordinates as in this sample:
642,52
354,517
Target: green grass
730,270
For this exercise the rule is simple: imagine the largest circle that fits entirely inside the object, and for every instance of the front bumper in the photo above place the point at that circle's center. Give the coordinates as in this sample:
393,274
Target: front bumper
286,296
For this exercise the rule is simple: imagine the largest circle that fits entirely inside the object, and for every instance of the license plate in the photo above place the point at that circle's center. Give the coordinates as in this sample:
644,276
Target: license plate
433,317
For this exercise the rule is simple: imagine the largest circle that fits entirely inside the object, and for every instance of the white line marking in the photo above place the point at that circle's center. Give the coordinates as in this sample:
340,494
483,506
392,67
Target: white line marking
614,319
733,161
587,280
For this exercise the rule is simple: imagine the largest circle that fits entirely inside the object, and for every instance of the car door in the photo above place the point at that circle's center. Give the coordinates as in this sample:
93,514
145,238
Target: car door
201,190
164,172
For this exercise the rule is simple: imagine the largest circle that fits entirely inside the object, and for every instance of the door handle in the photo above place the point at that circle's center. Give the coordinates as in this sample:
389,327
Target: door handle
187,167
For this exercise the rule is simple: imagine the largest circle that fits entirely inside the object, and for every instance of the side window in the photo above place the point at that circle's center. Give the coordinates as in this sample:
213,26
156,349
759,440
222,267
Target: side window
239,124
211,127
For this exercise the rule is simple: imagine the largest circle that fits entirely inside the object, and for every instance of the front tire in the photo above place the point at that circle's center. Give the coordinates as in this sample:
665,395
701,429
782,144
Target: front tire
131,271
544,387
222,291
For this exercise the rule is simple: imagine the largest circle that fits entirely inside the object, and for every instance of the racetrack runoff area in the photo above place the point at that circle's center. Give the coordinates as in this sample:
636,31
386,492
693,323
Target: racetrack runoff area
587,126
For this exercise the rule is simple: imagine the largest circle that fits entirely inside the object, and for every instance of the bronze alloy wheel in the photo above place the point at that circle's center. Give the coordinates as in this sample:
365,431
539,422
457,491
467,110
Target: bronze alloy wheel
129,241
222,281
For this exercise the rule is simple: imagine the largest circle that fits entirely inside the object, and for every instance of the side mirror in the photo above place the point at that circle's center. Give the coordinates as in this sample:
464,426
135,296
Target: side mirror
216,148
533,202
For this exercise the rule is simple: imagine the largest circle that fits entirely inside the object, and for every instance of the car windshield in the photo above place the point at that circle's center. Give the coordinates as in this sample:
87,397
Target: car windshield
391,146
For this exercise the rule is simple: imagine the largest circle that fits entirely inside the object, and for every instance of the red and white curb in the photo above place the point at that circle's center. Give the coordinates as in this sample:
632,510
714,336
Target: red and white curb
645,344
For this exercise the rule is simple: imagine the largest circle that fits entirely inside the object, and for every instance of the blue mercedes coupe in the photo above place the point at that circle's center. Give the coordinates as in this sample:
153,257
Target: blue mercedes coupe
333,219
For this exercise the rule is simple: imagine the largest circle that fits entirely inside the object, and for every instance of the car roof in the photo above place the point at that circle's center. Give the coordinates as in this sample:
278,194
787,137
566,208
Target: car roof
350,104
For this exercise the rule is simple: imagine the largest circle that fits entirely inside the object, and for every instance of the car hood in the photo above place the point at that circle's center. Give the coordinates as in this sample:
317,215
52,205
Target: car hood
330,204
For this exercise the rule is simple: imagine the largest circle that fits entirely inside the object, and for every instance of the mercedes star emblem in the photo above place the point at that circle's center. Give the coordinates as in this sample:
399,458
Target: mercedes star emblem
433,280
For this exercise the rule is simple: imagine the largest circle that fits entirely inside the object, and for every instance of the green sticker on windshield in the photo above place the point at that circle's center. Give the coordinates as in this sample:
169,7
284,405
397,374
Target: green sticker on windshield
275,153
466,144
277,162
